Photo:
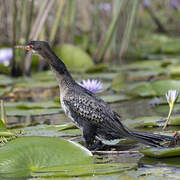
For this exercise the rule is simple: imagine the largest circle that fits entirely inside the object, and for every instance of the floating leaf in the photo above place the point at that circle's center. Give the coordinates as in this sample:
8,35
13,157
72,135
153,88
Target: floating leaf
114,98
32,108
73,56
84,170
161,87
147,64
175,121
143,89
5,80
147,121
97,68
175,70
118,82
146,74
63,130
24,155
162,152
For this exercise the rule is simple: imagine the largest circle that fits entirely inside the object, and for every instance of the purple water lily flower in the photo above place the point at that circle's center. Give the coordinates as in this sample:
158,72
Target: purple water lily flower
146,3
172,96
175,4
6,55
92,85
105,6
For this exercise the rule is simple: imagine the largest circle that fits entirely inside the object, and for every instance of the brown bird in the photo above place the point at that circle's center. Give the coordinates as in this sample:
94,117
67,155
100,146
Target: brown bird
90,113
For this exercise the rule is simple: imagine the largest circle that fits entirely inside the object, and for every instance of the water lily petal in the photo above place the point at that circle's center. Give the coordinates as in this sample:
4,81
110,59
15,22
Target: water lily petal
93,85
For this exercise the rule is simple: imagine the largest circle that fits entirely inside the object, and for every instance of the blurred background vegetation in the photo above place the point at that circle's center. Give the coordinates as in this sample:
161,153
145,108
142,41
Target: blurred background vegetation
88,32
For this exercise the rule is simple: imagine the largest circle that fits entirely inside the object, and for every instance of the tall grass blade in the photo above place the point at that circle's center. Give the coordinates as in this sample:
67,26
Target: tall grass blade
110,31
57,19
128,29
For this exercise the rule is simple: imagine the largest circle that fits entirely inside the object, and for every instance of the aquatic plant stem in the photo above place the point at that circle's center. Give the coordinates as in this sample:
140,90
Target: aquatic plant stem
56,22
169,115
110,32
129,27
13,61
3,113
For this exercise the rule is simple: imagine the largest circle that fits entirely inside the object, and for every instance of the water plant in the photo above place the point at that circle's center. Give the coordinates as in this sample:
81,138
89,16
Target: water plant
171,97
92,85
6,55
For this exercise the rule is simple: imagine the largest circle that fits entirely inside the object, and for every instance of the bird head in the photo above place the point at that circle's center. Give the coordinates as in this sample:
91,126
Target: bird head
34,46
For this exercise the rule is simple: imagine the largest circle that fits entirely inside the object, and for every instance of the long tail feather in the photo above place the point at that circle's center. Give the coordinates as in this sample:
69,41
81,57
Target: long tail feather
151,139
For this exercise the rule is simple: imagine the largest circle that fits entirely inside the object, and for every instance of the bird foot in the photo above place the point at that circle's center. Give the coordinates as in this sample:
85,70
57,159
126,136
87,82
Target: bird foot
177,136
97,146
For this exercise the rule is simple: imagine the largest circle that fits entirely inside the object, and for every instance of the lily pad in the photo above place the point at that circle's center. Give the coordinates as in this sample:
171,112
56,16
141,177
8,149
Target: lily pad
24,155
118,82
175,121
146,74
114,98
84,170
162,152
73,56
5,80
147,64
143,89
147,121
32,108
33,105
63,130
161,87
175,70
97,68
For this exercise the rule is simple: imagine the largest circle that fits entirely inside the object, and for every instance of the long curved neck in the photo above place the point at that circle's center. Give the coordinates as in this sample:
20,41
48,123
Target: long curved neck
57,66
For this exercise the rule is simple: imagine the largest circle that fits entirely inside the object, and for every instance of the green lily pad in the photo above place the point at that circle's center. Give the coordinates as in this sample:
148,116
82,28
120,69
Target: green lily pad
97,68
114,98
161,152
28,154
33,105
5,80
84,170
147,121
34,83
154,173
161,87
63,130
32,108
172,47
73,56
118,82
143,89
146,74
102,75
147,64
13,111
175,70
175,121
5,90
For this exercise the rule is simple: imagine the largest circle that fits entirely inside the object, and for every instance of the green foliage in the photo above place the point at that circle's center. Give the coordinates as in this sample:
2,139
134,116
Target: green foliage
162,152
73,56
27,154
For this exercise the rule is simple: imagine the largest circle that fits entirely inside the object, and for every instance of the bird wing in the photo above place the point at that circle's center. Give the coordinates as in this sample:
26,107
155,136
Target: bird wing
91,109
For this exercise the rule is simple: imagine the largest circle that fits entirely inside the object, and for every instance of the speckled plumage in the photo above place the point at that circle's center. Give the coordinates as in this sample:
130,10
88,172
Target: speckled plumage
90,113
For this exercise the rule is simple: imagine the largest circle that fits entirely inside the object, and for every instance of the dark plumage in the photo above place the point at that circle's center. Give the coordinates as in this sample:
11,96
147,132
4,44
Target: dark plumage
90,113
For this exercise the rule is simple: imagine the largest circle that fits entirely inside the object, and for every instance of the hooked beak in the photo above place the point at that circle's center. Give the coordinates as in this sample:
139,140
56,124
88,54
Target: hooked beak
28,48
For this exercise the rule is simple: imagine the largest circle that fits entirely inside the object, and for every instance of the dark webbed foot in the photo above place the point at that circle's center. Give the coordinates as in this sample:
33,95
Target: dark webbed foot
97,146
